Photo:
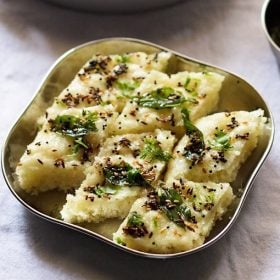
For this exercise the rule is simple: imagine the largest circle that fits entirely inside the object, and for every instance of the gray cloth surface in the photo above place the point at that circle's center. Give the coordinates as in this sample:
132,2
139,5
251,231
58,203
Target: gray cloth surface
226,33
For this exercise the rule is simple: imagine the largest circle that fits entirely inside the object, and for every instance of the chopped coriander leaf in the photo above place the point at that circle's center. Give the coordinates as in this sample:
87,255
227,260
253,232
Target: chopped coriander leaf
106,190
191,86
221,141
128,87
162,98
187,83
194,150
123,58
197,205
134,219
200,200
120,241
210,197
123,175
152,151
135,225
79,143
155,222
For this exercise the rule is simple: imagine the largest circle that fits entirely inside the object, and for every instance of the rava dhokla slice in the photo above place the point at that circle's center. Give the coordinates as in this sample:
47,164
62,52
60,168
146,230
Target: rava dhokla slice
175,217
63,148
107,79
126,165
160,98
215,146
152,150
111,186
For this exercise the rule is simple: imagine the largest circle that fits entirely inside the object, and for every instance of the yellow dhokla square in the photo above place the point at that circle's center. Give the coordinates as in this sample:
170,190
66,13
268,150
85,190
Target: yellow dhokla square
174,218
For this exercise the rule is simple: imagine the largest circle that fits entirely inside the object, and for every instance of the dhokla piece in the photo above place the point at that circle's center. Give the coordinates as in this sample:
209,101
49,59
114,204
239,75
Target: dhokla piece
151,150
142,156
204,87
229,139
63,148
110,188
160,99
108,79
174,218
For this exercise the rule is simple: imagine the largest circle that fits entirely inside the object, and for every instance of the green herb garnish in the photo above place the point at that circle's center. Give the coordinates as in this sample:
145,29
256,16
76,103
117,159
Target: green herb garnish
172,204
210,197
193,151
135,225
152,151
221,141
155,222
190,128
169,194
134,219
191,86
123,175
79,143
120,241
162,98
106,190
75,127
201,201
128,87
123,58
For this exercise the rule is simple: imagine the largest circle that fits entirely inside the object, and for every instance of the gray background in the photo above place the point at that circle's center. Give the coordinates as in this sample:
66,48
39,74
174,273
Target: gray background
226,33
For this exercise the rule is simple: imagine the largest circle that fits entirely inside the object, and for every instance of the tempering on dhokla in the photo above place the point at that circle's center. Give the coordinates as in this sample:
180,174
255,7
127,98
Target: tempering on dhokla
139,143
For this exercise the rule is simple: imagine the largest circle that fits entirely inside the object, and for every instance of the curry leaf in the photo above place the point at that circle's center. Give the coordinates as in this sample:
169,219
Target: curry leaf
161,98
74,126
123,175
172,204
194,150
